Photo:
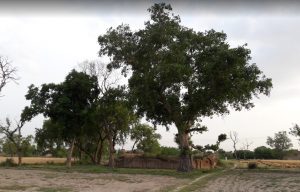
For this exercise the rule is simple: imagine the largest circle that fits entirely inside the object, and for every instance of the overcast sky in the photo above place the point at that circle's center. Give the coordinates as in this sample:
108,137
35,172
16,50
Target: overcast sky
45,41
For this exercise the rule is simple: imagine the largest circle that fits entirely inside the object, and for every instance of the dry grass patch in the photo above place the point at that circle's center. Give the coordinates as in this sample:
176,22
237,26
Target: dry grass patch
271,163
36,160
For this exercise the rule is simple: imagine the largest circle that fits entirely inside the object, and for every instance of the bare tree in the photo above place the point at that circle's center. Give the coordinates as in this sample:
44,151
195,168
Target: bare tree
14,135
234,138
106,78
7,72
246,146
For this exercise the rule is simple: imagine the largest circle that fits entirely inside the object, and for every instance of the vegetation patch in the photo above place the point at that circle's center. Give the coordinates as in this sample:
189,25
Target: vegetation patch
14,187
54,189
8,163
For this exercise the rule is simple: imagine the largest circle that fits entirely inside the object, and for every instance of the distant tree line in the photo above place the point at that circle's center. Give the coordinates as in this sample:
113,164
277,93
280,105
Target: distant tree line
280,147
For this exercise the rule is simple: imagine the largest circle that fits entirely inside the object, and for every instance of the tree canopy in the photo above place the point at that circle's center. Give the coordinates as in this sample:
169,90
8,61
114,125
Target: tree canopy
280,141
145,138
68,104
179,76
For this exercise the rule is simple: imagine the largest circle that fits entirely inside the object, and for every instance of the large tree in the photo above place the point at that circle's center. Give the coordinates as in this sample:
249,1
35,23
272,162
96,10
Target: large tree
179,76
68,103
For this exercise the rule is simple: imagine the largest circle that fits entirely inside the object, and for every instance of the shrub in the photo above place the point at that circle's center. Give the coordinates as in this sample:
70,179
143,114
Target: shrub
252,165
8,163
169,151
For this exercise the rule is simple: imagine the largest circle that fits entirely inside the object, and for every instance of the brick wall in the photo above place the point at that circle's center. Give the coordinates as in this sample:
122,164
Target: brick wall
138,161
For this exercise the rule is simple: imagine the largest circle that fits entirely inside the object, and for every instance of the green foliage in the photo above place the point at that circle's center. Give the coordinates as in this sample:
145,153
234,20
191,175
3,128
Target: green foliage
8,163
67,103
280,142
27,147
169,151
245,154
263,152
212,147
49,139
179,76
145,138
115,114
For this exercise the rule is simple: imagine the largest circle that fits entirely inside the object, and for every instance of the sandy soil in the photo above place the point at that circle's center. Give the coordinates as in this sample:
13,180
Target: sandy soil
43,181
254,181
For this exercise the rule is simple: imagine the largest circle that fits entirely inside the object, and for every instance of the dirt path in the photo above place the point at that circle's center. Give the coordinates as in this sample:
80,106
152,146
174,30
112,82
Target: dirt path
253,181
179,188
42,181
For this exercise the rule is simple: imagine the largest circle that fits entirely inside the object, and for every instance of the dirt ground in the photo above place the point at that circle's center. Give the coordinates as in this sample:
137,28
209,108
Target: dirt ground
50,181
254,181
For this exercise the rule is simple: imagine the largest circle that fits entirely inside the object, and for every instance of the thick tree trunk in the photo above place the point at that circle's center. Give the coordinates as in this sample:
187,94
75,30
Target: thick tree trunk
185,159
100,151
82,150
111,152
69,155
19,153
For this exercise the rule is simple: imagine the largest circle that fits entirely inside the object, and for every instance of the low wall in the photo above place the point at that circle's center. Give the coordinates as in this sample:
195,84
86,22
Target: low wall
132,161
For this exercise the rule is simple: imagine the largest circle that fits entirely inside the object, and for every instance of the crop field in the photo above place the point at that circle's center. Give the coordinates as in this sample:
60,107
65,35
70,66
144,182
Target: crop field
272,163
36,160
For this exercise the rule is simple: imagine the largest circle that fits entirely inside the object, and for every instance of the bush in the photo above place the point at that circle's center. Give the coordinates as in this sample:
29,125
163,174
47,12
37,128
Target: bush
252,165
8,163
169,151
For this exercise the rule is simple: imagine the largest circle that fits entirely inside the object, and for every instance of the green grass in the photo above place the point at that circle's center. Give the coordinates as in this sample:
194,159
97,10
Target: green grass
51,189
14,188
103,169
199,184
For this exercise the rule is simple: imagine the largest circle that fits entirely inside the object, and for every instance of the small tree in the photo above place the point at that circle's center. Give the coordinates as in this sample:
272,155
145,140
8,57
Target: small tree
144,137
280,142
13,134
246,146
208,148
234,138
115,117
